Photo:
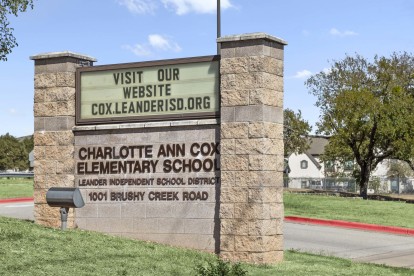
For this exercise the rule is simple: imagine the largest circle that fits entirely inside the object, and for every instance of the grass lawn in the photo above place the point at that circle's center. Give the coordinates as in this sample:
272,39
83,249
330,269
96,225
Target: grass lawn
392,213
29,249
16,187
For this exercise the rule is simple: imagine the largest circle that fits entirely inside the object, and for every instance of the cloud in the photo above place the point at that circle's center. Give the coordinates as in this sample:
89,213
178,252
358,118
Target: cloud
180,7
156,42
336,32
198,6
138,49
13,112
139,6
306,33
327,70
163,43
302,74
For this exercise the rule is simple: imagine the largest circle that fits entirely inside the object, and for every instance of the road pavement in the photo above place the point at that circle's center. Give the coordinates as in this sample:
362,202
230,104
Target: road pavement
21,210
361,246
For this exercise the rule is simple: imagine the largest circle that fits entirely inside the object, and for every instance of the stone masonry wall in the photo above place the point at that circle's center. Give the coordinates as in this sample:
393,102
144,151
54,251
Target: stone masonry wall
251,205
54,112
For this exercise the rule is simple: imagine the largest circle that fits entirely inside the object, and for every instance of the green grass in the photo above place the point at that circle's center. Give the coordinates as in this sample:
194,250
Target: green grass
391,213
29,249
16,187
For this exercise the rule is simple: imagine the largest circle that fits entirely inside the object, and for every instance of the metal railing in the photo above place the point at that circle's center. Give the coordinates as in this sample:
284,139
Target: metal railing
326,184
376,184
17,175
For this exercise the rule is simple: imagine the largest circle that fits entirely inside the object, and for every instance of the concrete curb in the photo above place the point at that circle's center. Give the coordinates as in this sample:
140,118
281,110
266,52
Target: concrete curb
12,200
353,225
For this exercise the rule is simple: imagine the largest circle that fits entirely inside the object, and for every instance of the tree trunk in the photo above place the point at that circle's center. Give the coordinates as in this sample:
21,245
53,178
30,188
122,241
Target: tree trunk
363,183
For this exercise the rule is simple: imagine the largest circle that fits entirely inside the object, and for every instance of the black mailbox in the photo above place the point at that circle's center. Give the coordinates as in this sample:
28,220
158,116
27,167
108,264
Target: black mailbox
64,197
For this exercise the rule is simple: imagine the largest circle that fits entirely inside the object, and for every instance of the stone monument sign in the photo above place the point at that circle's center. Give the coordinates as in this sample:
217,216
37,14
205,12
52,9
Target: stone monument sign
186,152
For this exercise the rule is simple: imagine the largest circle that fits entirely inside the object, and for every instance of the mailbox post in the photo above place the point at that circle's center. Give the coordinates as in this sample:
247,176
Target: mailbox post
64,198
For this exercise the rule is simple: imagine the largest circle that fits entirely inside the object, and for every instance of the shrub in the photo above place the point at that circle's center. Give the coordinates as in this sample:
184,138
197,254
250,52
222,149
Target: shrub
219,267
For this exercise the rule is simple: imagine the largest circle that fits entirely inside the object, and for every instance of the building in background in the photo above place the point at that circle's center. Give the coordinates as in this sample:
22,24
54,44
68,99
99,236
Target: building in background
308,171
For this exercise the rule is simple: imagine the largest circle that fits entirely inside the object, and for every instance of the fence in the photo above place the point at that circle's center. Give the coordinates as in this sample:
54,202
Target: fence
16,175
376,184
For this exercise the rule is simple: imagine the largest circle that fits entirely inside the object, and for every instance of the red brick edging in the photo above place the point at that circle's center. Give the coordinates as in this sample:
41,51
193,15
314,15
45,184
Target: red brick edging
353,225
11,200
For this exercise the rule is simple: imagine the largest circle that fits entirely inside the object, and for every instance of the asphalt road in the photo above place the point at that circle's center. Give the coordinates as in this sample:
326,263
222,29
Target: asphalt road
21,210
362,246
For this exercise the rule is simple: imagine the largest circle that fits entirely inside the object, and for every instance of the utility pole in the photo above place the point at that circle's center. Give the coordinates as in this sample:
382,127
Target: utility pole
218,25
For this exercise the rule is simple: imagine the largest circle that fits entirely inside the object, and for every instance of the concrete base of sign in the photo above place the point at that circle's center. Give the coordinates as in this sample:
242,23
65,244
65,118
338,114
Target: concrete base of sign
175,207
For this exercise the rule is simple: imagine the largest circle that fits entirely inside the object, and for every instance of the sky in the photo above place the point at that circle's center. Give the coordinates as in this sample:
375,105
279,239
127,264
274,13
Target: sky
318,32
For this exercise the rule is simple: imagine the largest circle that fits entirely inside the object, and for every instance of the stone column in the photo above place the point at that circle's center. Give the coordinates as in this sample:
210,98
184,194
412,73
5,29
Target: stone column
251,199
54,117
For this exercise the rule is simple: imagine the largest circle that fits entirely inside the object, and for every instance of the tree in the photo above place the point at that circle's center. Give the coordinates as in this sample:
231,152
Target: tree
14,154
295,132
368,110
7,40
399,169
28,143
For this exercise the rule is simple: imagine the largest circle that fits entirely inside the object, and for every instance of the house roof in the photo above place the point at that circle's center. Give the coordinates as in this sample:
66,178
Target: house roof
314,161
317,145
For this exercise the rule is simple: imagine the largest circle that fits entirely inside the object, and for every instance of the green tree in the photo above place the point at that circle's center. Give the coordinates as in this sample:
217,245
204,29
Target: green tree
28,143
399,169
295,132
368,109
10,7
13,154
